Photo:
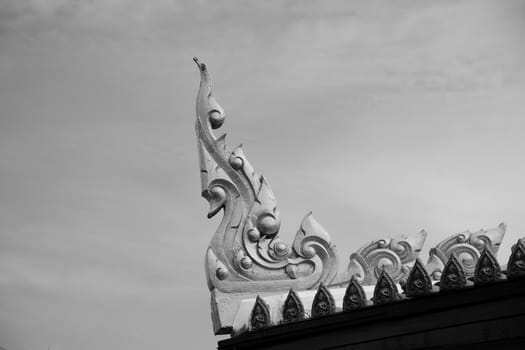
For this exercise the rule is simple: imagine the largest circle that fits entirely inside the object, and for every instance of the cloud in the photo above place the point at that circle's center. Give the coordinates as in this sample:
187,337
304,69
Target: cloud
383,118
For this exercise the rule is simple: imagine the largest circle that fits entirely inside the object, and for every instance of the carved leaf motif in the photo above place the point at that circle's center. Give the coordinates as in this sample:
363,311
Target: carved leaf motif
393,256
385,290
293,309
418,282
487,269
323,303
516,264
260,316
467,246
453,276
355,297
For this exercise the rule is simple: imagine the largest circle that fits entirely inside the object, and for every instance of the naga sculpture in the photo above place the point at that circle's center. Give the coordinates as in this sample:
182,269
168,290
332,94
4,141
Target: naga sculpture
245,253
246,257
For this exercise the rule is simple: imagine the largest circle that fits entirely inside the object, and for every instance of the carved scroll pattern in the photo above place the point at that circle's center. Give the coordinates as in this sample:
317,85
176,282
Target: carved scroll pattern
467,247
395,256
246,247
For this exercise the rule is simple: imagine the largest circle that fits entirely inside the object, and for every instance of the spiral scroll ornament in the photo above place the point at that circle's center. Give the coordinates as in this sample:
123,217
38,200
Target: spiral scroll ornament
394,256
466,247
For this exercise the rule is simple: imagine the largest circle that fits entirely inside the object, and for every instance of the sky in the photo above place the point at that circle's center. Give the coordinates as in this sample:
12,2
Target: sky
383,117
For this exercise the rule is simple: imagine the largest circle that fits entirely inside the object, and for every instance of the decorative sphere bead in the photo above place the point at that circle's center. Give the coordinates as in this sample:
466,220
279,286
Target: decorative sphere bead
268,225
246,262
384,263
216,119
236,162
254,235
309,252
281,249
222,273
218,192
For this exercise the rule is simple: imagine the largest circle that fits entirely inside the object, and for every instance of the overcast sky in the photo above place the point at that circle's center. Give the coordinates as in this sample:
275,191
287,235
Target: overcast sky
383,117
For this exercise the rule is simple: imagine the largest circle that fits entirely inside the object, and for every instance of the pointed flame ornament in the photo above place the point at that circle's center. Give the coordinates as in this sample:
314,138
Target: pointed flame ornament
323,303
516,264
453,276
260,316
487,269
293,309
385,290
418,282
355,297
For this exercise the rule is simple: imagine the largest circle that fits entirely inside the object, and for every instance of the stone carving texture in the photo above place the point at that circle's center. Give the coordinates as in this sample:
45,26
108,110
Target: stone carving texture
393,256
293,309
385,290
355,297
323,303
453,277
467,246
260,316
487,269
516,264
245,254
418,282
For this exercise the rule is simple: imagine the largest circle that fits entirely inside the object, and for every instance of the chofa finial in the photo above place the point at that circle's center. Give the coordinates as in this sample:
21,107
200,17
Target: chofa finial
246,254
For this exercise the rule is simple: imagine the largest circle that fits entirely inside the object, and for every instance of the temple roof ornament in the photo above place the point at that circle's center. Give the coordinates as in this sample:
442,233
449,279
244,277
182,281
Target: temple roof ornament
487,268
324,303
246,254
355,296
257,280
516,264
453,276
418,282
467,246
293,309
260,316
394,255
386,290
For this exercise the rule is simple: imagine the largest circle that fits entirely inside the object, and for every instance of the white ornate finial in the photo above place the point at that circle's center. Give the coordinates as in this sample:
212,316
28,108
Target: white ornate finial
245,254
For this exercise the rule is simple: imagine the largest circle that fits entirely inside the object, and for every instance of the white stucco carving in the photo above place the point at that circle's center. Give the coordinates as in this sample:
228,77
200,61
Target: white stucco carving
246,258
